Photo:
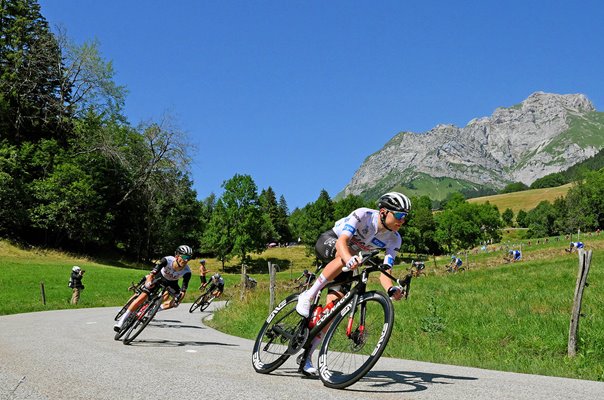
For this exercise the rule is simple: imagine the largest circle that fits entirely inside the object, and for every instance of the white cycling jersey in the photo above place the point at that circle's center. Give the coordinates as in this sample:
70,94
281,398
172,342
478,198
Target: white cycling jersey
362,227
170,273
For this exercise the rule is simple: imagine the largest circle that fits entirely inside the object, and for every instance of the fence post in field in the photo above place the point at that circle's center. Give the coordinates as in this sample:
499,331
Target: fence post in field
584,263
43,293
271,272
243,282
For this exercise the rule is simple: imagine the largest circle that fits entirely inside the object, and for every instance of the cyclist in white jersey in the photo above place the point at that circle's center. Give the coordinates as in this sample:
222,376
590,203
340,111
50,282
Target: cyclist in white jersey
170,269
364,229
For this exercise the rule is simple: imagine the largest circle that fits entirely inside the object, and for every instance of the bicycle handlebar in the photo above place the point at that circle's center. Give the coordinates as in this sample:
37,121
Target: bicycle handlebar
367,257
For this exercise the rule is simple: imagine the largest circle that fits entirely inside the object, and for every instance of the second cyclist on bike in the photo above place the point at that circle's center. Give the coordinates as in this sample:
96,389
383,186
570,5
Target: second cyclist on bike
169,270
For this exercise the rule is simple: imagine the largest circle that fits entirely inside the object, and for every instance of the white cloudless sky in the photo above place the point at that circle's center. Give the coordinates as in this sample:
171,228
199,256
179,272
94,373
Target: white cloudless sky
297,94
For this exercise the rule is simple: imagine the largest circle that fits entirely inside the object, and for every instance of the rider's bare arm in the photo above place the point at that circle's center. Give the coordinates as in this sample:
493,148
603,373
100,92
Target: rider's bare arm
342,249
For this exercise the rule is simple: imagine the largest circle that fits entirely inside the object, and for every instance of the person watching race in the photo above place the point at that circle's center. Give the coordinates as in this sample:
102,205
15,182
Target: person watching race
169,270
364,229
203,270
216,285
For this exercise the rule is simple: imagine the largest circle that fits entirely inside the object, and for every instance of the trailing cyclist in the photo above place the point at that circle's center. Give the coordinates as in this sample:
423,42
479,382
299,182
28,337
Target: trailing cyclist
306,279
363,230
169,270
575,246
216,285
455,264
515,255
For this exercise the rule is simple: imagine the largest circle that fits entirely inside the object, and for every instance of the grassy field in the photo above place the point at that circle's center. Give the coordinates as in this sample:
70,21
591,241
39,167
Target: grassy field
512,317
526,200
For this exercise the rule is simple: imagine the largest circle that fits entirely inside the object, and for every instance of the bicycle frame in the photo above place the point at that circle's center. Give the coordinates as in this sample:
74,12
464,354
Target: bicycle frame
348,303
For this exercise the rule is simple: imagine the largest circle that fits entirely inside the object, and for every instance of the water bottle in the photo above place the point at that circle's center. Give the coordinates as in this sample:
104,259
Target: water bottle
328,307
316,315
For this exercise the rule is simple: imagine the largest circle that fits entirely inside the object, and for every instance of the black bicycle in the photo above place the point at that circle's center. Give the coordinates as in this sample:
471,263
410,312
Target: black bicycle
203,301
360,325
139,319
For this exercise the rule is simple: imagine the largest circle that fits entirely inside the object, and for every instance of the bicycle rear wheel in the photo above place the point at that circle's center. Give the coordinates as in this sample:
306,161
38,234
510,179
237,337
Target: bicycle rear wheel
272,343
142,320
206,301
345,358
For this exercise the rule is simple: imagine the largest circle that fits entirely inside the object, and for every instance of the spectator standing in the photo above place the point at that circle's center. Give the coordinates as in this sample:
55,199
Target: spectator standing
202,274
75,283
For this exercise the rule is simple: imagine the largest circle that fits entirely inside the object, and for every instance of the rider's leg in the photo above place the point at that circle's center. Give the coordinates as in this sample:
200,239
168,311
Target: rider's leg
308,368
330,272
166,302
133,307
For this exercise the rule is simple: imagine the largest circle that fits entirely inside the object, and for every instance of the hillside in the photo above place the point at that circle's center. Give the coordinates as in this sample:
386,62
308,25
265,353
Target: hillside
525,200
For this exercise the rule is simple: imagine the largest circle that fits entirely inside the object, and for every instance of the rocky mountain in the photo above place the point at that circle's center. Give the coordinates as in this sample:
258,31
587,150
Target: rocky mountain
545,133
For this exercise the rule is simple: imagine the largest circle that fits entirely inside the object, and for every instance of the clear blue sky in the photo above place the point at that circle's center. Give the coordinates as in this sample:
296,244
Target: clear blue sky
298,93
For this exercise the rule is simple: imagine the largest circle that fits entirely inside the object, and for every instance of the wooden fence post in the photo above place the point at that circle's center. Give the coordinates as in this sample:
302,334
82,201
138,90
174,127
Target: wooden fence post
271,271
243,282
43,293
584,263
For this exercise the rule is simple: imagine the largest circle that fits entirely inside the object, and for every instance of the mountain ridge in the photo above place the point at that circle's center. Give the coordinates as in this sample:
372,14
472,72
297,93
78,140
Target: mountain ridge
543,134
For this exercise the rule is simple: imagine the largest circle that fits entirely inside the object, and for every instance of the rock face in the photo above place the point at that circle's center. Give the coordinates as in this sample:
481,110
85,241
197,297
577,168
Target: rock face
546,133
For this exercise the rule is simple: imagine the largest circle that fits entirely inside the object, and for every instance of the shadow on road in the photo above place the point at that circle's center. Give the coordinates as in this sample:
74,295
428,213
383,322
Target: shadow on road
413,381
389,381
159,323
176,343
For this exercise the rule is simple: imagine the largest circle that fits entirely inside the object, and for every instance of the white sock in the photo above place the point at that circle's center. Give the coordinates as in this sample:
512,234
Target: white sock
123,317
317,286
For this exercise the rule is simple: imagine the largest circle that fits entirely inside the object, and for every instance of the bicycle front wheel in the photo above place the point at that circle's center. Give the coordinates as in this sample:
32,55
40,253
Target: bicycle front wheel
123,310
272,343
197,303
142,320
350,350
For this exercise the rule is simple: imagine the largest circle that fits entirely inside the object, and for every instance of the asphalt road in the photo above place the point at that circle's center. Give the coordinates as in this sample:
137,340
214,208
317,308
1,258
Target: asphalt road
71,354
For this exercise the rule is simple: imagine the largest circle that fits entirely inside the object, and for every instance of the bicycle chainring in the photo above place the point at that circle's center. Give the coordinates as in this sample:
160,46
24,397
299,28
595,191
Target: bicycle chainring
299,338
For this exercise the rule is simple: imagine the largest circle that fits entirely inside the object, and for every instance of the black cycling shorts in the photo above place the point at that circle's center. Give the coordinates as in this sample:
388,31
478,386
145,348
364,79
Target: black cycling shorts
325,250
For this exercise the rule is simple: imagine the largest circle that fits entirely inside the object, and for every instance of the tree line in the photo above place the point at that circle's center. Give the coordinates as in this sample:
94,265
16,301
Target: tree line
75,174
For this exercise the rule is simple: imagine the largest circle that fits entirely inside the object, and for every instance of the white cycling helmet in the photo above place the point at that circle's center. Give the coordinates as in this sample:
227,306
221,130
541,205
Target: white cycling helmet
76,268
184,250
395,201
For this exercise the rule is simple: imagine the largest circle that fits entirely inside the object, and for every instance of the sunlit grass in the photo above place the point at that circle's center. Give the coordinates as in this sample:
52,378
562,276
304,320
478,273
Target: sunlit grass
526,200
